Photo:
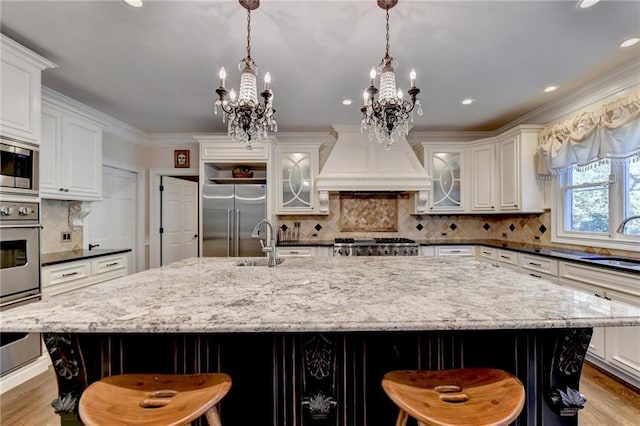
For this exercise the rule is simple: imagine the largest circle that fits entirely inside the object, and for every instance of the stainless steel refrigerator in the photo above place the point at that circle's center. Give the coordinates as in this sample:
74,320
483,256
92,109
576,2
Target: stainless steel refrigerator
229,213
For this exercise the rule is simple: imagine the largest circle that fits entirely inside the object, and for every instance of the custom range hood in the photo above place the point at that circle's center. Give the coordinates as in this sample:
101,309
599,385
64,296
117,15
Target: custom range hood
358,164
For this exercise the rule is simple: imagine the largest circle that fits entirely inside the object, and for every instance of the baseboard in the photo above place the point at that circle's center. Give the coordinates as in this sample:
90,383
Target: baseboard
613,372
21,375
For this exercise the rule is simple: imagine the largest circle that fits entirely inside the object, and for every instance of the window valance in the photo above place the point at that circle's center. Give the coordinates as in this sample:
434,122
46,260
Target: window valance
611,133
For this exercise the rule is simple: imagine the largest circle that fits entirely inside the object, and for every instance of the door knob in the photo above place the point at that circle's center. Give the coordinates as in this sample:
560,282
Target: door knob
195,236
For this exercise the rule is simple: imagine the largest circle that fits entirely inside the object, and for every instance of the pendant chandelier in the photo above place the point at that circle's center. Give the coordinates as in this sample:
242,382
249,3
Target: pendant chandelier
248,120
387,118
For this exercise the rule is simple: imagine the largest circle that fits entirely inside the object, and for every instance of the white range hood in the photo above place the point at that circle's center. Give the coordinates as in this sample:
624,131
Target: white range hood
358,164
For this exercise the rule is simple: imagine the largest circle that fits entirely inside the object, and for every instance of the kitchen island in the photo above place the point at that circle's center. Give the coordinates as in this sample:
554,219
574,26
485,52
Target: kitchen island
307,342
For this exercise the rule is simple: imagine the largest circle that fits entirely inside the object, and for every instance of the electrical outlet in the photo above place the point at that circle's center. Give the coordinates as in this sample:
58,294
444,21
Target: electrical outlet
504,234
443,234
65,237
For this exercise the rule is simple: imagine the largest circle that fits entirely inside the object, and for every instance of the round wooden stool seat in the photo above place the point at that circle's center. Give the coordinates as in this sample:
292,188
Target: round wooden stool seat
468,396
153,399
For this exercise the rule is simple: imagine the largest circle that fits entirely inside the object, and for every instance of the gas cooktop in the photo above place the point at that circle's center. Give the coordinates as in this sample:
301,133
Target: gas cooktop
375,247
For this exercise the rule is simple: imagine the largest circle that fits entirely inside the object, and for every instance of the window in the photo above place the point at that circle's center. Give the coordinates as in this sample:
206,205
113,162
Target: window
593,200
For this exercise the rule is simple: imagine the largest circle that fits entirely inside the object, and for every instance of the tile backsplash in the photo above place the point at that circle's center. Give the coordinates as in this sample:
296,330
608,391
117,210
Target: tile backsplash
54,216
525,228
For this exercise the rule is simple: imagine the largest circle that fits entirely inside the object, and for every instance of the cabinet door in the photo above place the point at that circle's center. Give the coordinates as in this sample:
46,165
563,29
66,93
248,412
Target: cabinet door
483,177
20,99
82,159
51,153
588,292
296,181
623,343
446,168
509,168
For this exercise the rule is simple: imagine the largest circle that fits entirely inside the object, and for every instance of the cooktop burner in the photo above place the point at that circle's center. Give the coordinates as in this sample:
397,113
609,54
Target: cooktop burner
375,247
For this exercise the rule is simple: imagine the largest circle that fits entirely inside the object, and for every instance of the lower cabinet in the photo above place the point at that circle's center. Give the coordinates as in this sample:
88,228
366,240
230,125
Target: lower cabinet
617,349
298,251
64,277
448,250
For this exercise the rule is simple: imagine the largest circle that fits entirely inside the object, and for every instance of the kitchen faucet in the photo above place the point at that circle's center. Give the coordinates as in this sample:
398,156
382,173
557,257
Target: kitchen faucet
270,247
620,229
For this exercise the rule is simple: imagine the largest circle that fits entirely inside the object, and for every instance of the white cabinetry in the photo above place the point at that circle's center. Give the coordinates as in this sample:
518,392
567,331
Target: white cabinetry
483,177
616,349
70,155
539,266
445,164
305,251
20,97
508,259
519,190
448,250
64,277
297,169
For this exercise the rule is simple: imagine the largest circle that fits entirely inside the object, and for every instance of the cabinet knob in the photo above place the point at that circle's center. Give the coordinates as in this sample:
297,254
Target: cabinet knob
61,189
66,190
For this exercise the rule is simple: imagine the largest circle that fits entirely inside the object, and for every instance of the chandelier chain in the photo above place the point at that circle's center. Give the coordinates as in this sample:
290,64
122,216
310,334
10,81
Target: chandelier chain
248,33
387,51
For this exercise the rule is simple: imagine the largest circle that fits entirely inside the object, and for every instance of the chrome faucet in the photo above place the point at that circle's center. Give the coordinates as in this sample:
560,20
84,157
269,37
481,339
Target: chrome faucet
270,246
620,229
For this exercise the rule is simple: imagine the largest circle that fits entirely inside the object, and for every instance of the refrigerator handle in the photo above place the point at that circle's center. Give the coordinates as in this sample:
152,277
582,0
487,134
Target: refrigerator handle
237,232
228,232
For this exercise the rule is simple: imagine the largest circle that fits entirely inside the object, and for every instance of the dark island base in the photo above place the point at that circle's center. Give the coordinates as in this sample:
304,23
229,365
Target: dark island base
290,379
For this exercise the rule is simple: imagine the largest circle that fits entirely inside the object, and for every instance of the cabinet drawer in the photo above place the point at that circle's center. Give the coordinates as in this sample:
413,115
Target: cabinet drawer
455,251
539,264
108,264
506,256
606,279
487,253
296,251
65,273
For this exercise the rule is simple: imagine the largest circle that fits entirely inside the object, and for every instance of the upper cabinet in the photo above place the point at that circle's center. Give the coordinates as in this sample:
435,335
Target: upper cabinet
70,155
519,190
20,97
482,182
445,164
297,169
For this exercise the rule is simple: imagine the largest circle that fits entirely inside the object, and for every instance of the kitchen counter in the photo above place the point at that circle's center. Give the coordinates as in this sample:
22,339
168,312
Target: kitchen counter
324,330
48,259
349,294
305,243
580,256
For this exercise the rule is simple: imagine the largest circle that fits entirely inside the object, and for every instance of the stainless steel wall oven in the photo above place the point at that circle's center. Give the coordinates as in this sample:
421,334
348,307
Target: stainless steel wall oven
19,277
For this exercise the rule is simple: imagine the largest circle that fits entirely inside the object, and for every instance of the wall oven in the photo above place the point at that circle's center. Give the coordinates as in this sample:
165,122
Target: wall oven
19,170
19,277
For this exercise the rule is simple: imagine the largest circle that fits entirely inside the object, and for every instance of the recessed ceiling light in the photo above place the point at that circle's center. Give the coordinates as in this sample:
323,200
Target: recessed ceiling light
134,3
583,4
630,42
550,89
346,102
468,101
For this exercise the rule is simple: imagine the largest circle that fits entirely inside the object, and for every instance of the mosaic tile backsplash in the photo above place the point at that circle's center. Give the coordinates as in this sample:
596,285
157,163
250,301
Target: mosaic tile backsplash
525,228
369,213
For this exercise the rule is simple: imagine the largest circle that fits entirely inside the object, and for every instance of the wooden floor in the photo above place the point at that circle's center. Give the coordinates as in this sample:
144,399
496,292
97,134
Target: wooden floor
608,402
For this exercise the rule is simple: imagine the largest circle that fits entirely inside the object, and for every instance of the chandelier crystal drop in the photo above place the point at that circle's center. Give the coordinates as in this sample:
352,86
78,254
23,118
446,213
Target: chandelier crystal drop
248,119
387,118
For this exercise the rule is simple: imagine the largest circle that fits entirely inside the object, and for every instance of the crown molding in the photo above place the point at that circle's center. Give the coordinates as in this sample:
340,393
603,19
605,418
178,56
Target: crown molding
15,48
110,124
416,138
620,79
304,138
171,140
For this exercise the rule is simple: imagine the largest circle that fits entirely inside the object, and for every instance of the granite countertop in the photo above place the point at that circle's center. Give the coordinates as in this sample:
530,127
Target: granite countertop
317,295
70,256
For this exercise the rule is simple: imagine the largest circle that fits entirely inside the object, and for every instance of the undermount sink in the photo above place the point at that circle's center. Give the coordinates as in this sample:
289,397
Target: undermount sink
614,261
258,262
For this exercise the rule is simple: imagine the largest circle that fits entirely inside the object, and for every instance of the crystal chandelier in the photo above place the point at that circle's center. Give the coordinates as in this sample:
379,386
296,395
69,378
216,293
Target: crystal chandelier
249,120
387,118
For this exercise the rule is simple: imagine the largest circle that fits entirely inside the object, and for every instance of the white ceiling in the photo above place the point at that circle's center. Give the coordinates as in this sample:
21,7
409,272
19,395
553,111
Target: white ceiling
156,67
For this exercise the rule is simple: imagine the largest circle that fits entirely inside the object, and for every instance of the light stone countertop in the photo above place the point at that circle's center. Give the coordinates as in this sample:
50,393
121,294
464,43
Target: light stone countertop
319,294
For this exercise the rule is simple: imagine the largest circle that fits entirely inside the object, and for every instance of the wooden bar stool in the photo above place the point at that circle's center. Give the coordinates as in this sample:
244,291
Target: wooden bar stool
467,396
150,399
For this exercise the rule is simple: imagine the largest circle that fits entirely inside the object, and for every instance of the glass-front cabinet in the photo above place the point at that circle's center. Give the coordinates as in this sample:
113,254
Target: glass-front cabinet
447,172
296,180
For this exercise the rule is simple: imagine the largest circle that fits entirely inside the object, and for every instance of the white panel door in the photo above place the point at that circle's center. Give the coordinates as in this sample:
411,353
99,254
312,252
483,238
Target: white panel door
179,217
112,222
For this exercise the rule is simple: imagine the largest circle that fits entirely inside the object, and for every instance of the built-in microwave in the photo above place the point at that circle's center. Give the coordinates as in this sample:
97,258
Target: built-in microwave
19,171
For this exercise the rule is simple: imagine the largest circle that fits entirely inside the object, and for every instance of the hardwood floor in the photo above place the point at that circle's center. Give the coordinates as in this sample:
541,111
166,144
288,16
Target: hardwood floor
609,403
